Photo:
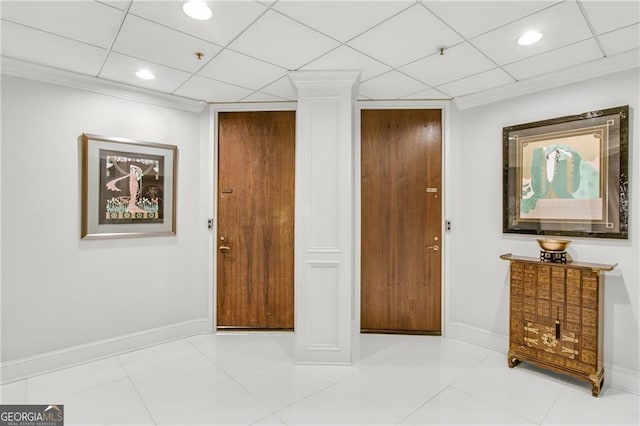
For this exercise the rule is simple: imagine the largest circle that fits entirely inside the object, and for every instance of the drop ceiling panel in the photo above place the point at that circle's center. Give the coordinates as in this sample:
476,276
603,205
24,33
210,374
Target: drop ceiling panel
341,20
428,94
207,89
346,58
408,36
621,40
392,85
560,25
119,4
564,57
43,48
122,68
459,61
250,45
85,21
610,15
472,18
477,83
280,40
156,43
228,20
282,88
262,97
241,70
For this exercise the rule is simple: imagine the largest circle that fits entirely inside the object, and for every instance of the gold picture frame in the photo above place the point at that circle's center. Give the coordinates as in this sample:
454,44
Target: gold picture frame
128,188
568,176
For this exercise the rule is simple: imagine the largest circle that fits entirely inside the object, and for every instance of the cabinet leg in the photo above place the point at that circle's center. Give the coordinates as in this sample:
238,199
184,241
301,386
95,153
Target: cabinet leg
597,384
512,361
595,390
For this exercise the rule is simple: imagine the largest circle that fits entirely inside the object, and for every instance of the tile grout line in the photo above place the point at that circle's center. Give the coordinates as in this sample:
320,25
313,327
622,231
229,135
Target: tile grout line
135,388
497,406
447,387
338,381
565,386
494,405
232,378
244,372
289,358
76,391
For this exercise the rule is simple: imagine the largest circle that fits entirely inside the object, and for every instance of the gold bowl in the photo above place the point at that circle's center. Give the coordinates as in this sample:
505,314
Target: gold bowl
553,245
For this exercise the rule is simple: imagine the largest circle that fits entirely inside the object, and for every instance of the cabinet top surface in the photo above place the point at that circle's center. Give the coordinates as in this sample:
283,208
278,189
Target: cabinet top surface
571,264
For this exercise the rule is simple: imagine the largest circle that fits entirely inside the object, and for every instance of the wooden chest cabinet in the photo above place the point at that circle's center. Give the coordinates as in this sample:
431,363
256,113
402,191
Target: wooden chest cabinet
556,315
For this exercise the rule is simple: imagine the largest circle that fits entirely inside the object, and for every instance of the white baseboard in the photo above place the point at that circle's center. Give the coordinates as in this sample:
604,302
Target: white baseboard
617,377
50,361
622,378
477,336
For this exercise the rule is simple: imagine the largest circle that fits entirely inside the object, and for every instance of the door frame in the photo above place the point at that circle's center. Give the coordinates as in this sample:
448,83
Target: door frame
444,107
210,151
209,163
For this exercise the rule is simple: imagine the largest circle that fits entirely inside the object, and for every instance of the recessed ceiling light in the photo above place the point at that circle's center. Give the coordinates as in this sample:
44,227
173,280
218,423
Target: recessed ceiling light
145,75
529,37
197,9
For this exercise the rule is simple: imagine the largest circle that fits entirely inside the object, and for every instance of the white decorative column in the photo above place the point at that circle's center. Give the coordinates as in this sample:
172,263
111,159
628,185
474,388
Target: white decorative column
324,218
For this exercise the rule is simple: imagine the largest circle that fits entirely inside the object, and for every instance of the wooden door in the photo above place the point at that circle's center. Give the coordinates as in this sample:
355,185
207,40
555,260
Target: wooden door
255,219
401,221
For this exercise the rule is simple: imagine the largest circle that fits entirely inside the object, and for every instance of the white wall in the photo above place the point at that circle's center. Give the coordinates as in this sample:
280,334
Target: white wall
478,278
59,291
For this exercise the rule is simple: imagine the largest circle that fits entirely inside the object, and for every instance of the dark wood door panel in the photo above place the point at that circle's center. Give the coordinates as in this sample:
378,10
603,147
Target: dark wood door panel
255,219
401,220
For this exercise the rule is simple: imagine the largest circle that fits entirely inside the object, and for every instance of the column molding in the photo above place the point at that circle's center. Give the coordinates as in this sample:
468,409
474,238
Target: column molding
324,218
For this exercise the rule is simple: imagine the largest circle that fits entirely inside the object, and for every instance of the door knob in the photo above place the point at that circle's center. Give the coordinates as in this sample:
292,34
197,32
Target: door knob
224,248
435,248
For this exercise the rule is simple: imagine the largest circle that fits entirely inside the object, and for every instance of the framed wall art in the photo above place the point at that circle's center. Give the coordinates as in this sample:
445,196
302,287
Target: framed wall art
128,188
568,176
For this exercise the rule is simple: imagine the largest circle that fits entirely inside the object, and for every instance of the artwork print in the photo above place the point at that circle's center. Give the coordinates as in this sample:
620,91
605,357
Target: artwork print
132,187
568,176
562,175
128,188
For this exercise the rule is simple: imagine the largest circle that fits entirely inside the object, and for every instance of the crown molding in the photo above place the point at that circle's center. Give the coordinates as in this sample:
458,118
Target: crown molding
28,70
597,68
312,79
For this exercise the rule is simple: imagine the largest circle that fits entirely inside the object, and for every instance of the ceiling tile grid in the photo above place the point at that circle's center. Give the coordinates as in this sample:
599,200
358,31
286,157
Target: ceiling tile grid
345,57
477,83
473,18
162,45
560,25
622,40
241,70
36,46
85,21
554,60
122,68
248,46
406,37
281,88
206,89
228,21
391,85
438,69
342,20
280,40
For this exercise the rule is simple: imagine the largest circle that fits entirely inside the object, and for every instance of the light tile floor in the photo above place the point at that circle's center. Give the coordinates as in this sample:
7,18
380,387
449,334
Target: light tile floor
251,379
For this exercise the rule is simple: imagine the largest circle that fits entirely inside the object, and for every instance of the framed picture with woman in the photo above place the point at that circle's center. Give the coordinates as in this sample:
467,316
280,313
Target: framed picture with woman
128,188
